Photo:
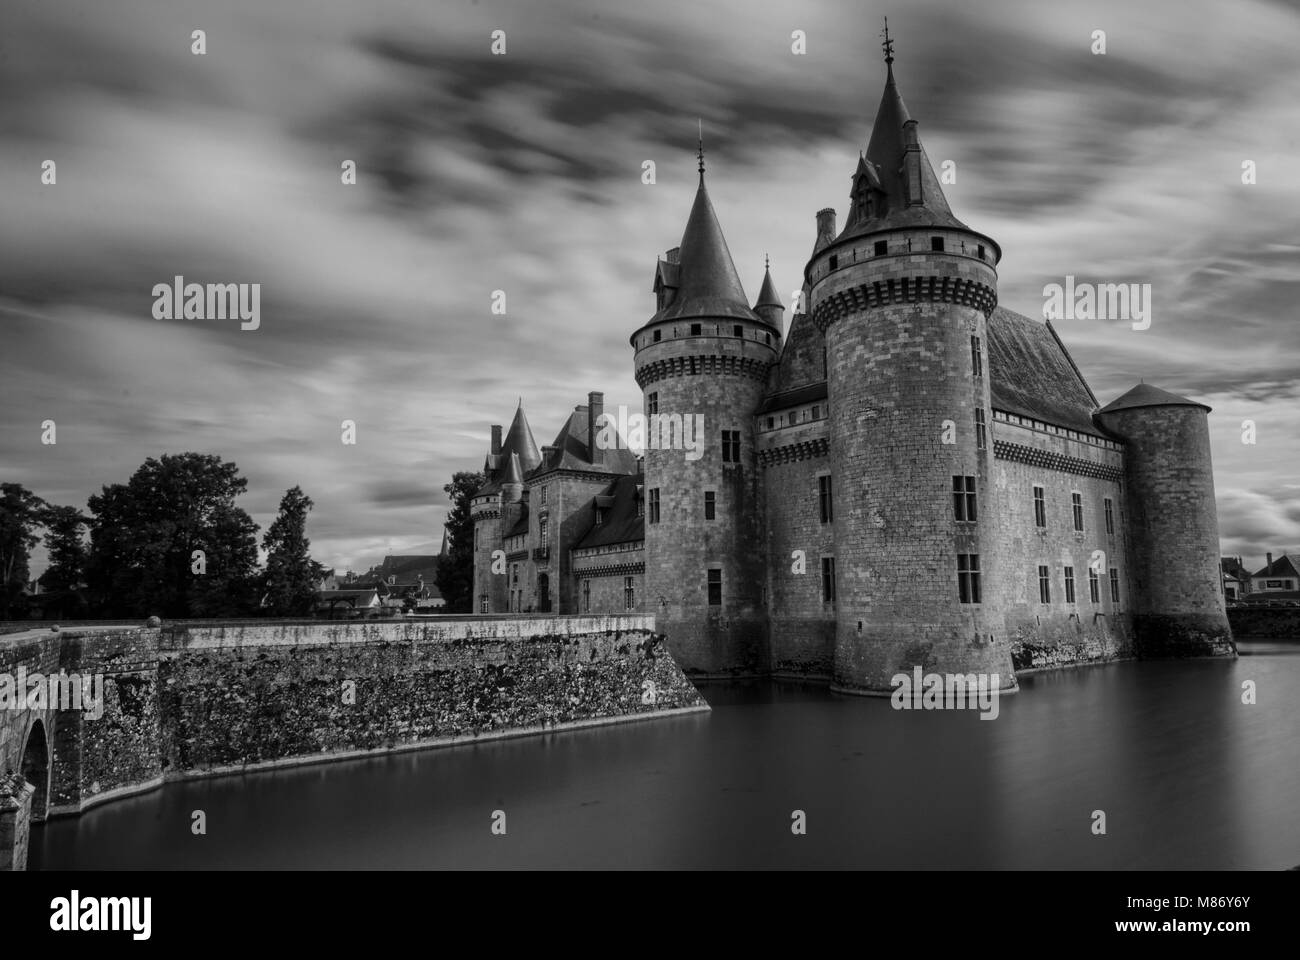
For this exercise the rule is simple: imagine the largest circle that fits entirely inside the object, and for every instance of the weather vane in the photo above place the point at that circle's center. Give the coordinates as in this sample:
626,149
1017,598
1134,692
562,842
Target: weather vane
888,44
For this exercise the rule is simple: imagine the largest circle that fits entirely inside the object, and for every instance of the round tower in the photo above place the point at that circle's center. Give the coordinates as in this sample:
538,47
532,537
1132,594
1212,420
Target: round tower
504,468
903,296
702,362
1178,606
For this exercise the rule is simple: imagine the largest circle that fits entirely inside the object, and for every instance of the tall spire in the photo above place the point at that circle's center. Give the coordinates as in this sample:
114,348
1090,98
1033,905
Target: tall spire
894,184
707,284
701,152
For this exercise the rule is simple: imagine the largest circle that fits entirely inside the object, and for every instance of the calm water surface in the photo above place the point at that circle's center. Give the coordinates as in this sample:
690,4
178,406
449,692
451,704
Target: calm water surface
1187,775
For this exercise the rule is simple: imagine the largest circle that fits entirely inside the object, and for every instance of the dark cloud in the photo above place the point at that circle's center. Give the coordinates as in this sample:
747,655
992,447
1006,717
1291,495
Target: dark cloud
522,173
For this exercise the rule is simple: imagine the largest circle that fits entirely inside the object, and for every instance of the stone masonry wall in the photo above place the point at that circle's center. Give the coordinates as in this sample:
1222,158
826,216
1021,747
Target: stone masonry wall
192,699
1058,633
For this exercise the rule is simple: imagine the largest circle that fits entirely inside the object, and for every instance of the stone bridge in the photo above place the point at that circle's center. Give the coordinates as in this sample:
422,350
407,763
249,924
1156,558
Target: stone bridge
203,699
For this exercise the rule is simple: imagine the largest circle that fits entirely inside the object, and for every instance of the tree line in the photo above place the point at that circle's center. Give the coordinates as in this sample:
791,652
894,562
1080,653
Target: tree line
170,542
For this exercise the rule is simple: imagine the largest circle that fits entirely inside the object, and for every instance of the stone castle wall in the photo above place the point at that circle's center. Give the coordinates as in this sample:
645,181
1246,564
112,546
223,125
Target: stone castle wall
1059,632
197,700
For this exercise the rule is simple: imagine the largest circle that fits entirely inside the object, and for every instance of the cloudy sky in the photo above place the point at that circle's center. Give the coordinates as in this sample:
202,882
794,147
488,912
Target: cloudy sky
522,173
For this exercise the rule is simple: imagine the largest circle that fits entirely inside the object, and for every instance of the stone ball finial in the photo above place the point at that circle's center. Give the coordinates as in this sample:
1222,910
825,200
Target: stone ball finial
54,629
153,622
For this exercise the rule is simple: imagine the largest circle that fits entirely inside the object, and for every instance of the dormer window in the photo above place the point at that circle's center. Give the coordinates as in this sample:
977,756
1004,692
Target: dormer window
600,516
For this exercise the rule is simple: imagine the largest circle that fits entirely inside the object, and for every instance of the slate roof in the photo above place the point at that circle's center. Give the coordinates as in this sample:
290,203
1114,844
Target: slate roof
767,295
1234,568
883,168
794,398
622,525
521,525
1282,566
1032,375
570,450
705,276
1145,395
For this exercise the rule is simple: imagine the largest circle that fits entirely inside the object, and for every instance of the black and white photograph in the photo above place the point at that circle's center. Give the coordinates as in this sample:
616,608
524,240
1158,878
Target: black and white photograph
650,437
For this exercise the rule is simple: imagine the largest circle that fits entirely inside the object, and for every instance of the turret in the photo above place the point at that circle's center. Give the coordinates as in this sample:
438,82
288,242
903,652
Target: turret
505,466
702,362
1178,605
899,295
768,306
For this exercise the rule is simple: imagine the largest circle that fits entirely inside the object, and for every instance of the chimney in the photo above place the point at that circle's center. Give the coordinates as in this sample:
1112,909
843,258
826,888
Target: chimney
595,407
1270,562
825,228
674,255
496,438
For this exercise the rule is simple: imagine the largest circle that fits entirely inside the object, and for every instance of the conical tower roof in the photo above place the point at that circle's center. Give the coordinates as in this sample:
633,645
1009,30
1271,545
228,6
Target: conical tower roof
513,472
883,168
1145,395
767,295
519,439
707,282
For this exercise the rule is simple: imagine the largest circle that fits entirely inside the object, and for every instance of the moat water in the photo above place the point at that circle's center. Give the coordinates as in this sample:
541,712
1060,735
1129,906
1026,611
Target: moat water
1188,777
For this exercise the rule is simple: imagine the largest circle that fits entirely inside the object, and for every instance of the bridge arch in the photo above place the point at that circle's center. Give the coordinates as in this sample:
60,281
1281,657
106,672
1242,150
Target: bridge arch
35,768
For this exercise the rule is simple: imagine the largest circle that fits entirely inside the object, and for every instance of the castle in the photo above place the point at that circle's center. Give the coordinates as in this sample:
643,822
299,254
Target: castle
910,475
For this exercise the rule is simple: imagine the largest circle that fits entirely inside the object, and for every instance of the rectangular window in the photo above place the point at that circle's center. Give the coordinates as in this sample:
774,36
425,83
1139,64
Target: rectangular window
828,579
629,593
817,411
652,403
976,357
1040,507
771,423
545,529
1069,584
514,574
963,499
710,504
654,505
882,247
1094,586
824,498
543,495
1044,584
981,251
738,330
1114,585
640,507
968,577
586,596
600,516
715,588
658,335
981,430
482,603
835,261
1076,501
696,329
936,244
731,446
1110,516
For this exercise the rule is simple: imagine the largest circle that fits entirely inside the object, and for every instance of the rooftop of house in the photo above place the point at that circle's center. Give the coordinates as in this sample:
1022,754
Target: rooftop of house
621,522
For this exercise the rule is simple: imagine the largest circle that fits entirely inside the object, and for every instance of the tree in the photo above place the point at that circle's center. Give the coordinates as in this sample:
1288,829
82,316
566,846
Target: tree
291,574
63,578
171,541
455,576
20,511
